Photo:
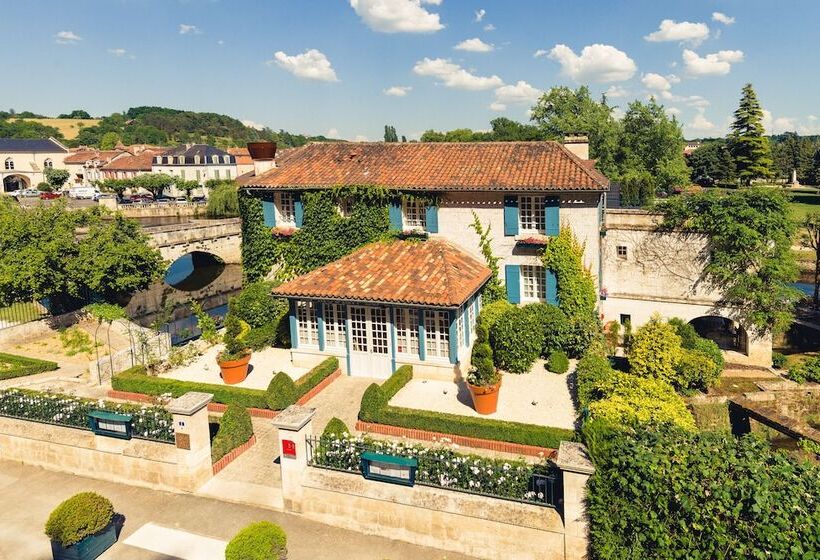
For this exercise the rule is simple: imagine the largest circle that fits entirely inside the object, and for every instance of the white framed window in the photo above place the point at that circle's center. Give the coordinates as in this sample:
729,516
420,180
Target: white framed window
621,249
198,175
471,316
378,322
533,283
531,213
9,164
228,174
48,163
182,174
437,334
306,322
226,159
334,325
169,160
407,331
196,160
158,159
414,213
216,174
287,208
214,159
460,329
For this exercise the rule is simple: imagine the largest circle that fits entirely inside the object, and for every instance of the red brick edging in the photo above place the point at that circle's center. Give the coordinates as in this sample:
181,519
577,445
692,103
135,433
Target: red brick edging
228,459
319,387
424,435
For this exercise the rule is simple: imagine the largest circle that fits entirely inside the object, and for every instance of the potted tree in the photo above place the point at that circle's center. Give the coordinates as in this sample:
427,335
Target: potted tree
483,379
234,359
82,527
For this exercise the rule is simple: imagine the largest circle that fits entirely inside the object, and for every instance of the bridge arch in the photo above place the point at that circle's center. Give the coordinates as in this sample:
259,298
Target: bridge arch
726,333
194,271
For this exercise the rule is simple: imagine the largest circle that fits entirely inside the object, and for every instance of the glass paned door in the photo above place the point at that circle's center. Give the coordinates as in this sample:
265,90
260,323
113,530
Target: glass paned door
369,341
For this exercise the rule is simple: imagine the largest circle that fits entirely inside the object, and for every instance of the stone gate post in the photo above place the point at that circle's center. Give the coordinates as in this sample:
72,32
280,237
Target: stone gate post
576,468
192,438
295,425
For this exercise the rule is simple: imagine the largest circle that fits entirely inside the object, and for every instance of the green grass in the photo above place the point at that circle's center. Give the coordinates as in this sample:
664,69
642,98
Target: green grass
22,312
736,385
711,416
803,202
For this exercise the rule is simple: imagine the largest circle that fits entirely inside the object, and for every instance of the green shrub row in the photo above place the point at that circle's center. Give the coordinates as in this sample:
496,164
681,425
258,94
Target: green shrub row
374,408
807,370
284,391
235,428
12,366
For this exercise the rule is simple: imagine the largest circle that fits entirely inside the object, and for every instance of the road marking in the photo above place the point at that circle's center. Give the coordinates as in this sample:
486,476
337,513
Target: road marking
176,543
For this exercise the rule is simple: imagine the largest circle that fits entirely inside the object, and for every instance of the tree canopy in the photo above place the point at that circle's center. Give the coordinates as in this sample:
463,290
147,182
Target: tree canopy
747,143
712,164
75,114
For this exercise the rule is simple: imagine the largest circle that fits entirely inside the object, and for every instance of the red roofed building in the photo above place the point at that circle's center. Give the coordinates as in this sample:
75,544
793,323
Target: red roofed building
85,165
127,165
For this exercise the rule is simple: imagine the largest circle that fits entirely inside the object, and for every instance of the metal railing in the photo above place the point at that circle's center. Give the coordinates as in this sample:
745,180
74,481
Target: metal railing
20,313
143,351
442,468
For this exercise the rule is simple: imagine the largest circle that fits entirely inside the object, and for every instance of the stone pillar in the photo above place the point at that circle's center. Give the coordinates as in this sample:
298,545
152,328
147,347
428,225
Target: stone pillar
294,424
192,438
576,468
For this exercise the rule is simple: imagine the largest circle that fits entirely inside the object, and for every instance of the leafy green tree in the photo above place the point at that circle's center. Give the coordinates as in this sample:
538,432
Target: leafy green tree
109,141
56,178
116,186
562,111
637,188
750,261
75,114
747,143
508,130
811,240
155,183
390,134
711,163
655,350
223,201
814,170
187,186
791,152
16,128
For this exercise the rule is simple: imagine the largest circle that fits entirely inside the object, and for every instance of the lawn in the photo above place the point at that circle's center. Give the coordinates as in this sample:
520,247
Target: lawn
22,312
70,128
804,201
736,385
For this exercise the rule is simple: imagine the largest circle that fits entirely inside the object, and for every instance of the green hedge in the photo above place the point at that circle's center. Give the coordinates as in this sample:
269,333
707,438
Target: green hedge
17,366
79,516
258,541
235,428
135,380
374,408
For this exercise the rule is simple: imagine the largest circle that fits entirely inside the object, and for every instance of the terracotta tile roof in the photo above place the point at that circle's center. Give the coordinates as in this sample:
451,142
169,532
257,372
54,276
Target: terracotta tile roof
127,162
83,156
504,166
242,155
431,272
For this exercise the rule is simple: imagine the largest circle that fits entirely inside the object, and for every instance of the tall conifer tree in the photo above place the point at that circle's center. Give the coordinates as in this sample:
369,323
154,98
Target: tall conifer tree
749,147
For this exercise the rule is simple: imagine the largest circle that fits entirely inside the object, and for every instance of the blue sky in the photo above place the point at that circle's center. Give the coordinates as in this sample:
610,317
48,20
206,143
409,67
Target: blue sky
347,67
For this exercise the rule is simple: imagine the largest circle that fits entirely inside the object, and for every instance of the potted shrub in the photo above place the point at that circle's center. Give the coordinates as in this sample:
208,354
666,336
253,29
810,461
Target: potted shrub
234,359
258,541
483,379
82,527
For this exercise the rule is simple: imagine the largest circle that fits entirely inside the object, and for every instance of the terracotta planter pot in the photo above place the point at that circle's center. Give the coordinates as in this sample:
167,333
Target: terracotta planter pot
485,399
234,371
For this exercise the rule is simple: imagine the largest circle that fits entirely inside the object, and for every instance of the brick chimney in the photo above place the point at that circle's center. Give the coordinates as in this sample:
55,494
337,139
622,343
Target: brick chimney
578,144
263,155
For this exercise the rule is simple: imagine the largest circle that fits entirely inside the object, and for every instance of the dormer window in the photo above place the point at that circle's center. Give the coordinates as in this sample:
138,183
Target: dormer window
169,160
181,160
9,164
226,159
196,160
48,163
158,160
214,159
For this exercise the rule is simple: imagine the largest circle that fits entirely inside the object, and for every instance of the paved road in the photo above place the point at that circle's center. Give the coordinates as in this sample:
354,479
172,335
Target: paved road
28,494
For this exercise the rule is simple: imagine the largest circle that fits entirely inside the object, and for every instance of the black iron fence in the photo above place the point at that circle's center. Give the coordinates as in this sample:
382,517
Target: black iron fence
20,313
514,480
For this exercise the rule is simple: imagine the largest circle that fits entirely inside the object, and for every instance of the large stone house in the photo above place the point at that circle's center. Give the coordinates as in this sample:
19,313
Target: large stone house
409,302
195,162
24,161
86,165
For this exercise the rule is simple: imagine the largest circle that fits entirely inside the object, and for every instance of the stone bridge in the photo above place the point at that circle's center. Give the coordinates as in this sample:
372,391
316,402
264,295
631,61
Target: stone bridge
221,238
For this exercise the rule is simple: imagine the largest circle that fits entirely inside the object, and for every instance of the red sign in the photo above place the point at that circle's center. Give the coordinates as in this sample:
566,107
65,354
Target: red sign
288,449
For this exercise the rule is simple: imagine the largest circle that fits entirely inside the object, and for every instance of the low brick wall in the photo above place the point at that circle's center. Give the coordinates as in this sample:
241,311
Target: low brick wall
138,462
423,435
229,458
319,387
469,524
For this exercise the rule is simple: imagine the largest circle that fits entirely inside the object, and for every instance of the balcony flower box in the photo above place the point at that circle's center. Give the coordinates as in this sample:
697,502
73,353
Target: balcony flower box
284,232
89,548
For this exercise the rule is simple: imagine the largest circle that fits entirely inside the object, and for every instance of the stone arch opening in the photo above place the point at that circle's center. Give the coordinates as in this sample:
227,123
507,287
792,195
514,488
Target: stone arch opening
726,333
14,183
194,271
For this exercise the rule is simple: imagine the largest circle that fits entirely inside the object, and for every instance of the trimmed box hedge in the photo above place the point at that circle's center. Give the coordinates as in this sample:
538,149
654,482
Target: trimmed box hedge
235,429
374,408
12,366
283,391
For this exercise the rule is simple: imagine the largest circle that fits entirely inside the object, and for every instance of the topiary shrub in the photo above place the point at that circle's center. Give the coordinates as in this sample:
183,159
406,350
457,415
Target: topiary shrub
372,402
80,516
778,360
235,428
281,392
335,428
516,339
557,362
655,350
258,541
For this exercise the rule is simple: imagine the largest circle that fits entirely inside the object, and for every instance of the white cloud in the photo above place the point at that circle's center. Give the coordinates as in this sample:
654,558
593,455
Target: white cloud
489,27
117,52
332,133
360,138
479,15
397,91
656,82
398,16
616,91
311,65
539,53
185,29
700,124
715,64
597,63
67,37
454,76
684,32
672,111
474,45
521,93
252,124
777,125
722,18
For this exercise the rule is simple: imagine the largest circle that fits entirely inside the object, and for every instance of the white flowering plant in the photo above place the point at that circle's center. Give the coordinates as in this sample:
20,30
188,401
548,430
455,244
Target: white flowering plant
441,466
148,422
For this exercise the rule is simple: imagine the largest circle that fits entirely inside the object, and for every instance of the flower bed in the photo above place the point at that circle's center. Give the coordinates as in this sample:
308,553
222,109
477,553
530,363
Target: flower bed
148,422
12,366
443,467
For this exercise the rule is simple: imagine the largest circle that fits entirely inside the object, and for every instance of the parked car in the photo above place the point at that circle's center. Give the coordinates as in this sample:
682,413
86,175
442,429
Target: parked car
26,193
142,197
100,195
50,195
163,200
198,198
83,192
126,200
181,199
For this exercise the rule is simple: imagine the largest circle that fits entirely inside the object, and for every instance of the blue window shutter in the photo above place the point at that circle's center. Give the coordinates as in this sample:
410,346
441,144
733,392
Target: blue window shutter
422,337
552,288
512,277
395,215
453,337
432,218
551,219
320,324
294,330
269,211
298,209
510,215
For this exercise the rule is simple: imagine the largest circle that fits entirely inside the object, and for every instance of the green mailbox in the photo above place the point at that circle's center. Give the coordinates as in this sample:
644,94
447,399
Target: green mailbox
111,424
389,468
